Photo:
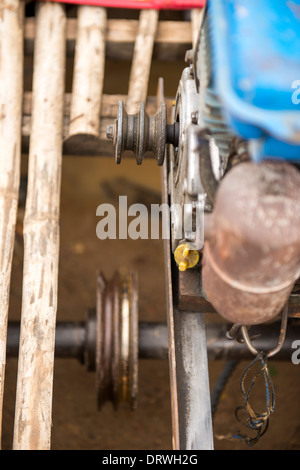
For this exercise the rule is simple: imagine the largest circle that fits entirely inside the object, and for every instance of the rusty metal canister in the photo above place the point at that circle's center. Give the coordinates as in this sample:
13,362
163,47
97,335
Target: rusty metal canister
251,258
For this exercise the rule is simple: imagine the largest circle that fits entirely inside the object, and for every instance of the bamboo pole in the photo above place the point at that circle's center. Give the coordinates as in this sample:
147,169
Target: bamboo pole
172,39
88,147
88,73
196,18
11,94
109,105
141,62
32,428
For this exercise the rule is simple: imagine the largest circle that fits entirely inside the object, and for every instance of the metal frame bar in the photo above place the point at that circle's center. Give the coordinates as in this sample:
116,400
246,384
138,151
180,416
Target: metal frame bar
188,364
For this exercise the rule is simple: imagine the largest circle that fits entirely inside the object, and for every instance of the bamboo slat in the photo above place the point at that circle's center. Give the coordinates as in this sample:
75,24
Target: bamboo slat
88,73
125,39
141,62
172,39
83,146
11,91
196,15
32,430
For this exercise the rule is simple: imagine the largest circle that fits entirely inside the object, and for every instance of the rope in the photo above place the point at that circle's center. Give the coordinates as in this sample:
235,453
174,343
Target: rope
255,421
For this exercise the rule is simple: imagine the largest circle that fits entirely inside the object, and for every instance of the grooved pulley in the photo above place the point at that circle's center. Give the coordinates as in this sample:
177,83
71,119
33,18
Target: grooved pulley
142,133
117,339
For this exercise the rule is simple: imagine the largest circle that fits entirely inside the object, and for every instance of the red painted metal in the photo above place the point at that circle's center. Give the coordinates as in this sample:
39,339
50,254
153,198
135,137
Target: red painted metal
141,4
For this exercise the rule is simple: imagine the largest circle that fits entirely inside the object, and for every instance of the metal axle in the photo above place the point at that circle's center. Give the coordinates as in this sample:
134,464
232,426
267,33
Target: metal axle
77,340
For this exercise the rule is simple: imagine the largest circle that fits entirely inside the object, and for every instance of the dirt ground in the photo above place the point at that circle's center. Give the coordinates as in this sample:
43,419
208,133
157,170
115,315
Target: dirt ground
77,425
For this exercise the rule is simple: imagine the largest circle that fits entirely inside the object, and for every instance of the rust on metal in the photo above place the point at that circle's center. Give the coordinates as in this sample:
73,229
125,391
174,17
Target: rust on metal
117,339
190,294
251,260
141,133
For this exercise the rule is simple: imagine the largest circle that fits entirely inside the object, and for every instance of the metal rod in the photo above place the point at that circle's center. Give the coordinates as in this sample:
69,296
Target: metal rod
153,341
75,340
275,350
283,327
266,338
195,419
69,339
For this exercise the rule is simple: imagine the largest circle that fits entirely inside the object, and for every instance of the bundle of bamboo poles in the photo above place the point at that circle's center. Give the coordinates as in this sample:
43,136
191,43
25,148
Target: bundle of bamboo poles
32,429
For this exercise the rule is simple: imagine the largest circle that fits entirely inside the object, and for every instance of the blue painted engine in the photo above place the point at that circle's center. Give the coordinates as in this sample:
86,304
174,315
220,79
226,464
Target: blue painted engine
250,84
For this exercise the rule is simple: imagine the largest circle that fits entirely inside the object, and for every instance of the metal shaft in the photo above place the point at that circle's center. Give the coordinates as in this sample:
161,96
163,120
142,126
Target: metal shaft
74,340
69,340
194,407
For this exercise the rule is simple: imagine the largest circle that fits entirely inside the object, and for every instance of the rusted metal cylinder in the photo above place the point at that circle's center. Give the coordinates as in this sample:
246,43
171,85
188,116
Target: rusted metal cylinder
251,259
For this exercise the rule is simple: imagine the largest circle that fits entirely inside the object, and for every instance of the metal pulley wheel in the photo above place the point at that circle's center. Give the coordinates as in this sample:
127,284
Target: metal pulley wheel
141,133
117,339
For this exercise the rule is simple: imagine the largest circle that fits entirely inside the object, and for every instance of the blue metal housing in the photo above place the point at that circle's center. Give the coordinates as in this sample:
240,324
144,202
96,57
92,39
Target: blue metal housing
256,72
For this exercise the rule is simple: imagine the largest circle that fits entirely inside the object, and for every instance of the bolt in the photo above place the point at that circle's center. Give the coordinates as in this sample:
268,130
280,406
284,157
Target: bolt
183,265
185,256
186,251
194,117
110,132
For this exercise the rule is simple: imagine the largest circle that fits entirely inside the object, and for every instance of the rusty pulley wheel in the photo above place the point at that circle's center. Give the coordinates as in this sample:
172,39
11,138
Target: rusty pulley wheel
117,339
141,133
